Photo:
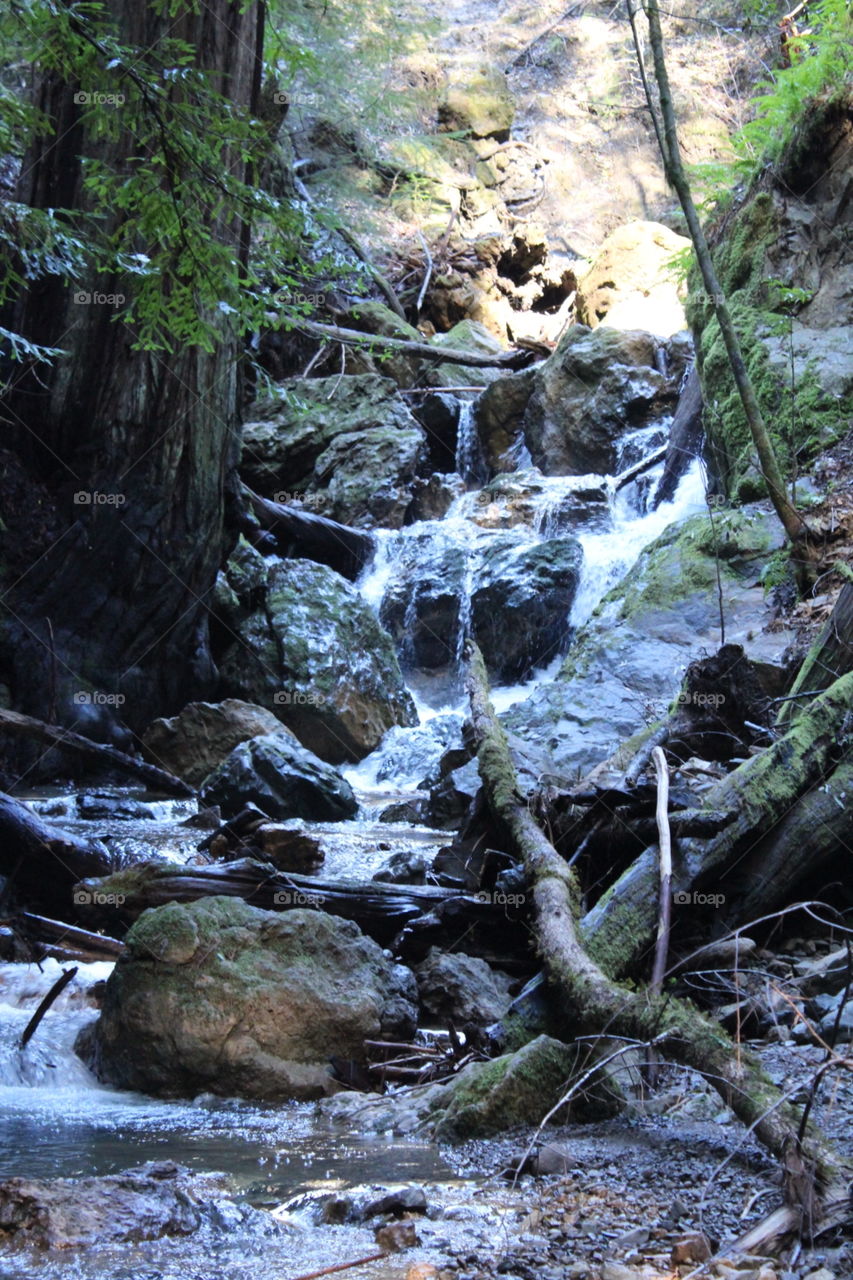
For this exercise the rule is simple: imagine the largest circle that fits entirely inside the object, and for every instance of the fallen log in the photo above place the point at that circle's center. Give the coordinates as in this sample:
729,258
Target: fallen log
602,1006
685,439
94,945
422,350
55,992
41,863
312,537
381,910
772,799
830,656
107,757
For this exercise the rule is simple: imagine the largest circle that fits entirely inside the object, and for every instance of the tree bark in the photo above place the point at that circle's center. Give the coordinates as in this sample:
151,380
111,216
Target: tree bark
118,601
603,1006
830,656
792,521
685,438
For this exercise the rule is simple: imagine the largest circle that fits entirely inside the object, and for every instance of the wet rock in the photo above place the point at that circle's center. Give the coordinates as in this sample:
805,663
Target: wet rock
466,335
433,498
453,987
396,1237
407,866
219,996
633,282
95,805
145,1203
288,849
282,778
348,447
312,652
413,811
407,1200
192,743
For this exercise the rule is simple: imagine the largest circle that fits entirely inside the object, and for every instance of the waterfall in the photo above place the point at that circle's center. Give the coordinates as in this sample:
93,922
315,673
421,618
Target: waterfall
469,456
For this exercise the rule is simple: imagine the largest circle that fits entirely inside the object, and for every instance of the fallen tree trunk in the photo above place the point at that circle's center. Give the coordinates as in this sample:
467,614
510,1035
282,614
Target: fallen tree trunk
20,726
422,350
56,936
602,1006
770,799
313,537
685,439
830,656
41,863
381,910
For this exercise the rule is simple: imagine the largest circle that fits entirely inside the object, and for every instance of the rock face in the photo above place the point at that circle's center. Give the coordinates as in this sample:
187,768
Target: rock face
192,743
312,652
517,597
282,778
461,988
572,410
157,1199
634,649
483,107
784,232
633,282
217,995
347,447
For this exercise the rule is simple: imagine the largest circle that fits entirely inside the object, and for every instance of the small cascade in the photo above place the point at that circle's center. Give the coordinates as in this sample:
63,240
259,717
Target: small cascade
469,455
463,625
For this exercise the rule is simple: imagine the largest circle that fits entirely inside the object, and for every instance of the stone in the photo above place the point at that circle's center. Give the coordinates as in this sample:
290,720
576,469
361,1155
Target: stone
311,650
634,281
407,1200
218,996
95,806
145,1203
692,1247
396,1237
481,106
282,778
192,743
462,989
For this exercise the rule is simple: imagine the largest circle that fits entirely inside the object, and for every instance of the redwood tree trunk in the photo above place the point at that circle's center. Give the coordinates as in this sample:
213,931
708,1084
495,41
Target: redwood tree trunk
117,602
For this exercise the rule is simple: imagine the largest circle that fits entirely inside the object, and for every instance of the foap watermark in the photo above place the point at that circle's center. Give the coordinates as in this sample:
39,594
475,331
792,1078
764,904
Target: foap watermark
95,98
701,699
297,98
85,298
500,899
693,898
298,298
298,698
88,898
96,698
311,501
95,498
297,898
707,299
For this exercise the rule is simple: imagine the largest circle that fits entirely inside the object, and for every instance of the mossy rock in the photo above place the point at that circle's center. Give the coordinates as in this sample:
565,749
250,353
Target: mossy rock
482,107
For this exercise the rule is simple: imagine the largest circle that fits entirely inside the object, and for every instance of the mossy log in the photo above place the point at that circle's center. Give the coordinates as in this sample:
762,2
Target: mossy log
773,799
830,656
603,1006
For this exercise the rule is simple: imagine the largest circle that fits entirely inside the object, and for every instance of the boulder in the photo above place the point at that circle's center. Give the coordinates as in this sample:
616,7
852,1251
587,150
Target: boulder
453,987
481,105
311,651
192,743
348,447
218,996
154,1200
634,281
571,412
282,778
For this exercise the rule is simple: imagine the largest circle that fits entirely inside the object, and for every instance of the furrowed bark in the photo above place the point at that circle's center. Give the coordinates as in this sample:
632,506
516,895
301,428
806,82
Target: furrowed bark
830,656
601,1005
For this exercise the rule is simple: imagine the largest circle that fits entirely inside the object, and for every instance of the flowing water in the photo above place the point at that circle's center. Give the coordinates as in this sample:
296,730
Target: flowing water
56,1119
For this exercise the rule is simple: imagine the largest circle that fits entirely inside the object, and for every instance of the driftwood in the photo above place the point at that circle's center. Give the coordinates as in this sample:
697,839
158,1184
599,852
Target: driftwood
830,656
313,537
422,350
381,910
43,863
645,464
20,726
55,992
68,938
602,1006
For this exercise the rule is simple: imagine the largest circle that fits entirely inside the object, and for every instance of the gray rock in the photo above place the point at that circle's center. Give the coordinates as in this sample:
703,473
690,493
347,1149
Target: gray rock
282,778
462,989
192,743
218,996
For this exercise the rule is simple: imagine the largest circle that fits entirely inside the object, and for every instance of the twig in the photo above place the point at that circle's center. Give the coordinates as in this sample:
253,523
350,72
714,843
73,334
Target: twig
342,1266
427,276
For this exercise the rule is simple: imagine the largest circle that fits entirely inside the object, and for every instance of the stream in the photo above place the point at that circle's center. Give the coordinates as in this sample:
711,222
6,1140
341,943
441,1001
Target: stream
57,1120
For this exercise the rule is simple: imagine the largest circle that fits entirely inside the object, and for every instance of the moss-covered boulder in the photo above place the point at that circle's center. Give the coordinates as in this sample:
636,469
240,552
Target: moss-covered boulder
481,107
192,743
281,777
300,641
221,997
788,275
347,447
628,660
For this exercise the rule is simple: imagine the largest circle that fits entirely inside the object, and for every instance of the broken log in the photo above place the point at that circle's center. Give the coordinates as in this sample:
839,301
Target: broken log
685,439
381,910
55,992
603,1007
770,798
94,945
422,350
42,863
830,656
20,726
307,536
